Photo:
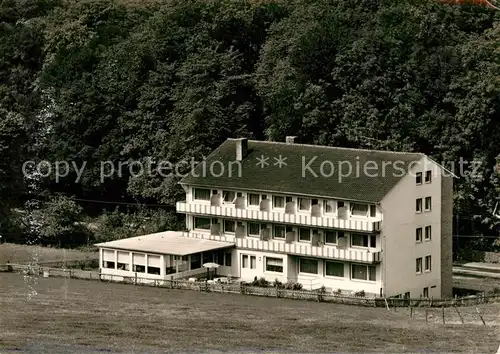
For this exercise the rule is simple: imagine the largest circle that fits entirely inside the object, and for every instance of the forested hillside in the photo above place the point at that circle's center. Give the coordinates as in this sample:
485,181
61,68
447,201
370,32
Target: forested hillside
88,81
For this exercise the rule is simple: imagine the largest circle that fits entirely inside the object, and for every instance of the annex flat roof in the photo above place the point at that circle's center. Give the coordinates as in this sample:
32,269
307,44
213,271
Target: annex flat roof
168,242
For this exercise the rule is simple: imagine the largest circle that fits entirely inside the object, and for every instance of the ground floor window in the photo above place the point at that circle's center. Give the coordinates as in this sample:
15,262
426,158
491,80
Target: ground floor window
139,268
109,265
363,272
426,292
195,261
154,270
308,266
123,266
248,261
274,265
334,269
227,260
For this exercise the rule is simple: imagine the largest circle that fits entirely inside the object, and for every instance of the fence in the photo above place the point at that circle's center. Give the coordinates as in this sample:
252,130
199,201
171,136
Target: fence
241,288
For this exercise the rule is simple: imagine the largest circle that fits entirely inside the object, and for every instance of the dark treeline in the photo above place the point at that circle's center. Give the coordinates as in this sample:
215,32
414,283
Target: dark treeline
88,81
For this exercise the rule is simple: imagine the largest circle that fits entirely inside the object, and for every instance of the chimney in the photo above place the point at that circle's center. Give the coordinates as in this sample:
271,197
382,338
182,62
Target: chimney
290,139
241,148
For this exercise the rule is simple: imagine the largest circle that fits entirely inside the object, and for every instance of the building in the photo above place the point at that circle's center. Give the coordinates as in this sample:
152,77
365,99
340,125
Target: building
347,219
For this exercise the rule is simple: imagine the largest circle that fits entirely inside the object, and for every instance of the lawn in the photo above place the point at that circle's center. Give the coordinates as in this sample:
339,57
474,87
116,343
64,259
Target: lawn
22,254
77,316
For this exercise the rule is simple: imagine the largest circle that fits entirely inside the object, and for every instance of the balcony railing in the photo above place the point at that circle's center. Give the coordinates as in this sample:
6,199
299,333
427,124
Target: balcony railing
275,246
277,217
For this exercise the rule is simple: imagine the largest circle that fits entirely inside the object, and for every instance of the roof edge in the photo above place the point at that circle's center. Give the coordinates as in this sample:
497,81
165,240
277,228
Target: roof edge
281,192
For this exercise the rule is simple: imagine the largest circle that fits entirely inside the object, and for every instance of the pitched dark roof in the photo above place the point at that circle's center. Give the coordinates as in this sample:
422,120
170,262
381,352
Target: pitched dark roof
296,179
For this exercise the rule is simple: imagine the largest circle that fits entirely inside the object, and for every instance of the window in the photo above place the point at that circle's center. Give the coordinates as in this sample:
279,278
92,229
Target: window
202,223
244,261
304,204
154,270
274,265
123,266
328,206
373,211
428,203
407,295
426,292
229,225
340,204
109,265
227,259
334,269
201,194
418,206
428,176
229,197
359,240
363,272
428,265
253,262
418,178
253,199
418,267
139,268
279,231
308,266
373,241
428,233
288,199
359,209
418,234
304,234
330,236
278,202
253,229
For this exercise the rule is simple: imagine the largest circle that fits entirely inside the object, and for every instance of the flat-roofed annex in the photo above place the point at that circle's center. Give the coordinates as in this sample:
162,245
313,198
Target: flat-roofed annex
169,242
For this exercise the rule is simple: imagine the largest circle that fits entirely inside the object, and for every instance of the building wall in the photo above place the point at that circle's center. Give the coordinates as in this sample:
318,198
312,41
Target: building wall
291,273
446,236
400,249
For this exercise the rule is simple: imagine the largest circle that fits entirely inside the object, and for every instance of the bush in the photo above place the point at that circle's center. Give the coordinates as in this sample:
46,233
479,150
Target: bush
293,286
261,282
277,284
360,293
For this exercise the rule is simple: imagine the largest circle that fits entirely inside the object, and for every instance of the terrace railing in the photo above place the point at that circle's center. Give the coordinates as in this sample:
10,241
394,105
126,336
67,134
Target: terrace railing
279,217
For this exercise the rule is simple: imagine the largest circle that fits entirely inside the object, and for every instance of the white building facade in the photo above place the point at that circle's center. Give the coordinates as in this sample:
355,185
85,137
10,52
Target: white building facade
384,231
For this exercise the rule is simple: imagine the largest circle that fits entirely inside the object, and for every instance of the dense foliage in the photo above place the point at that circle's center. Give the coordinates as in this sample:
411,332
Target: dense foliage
95,82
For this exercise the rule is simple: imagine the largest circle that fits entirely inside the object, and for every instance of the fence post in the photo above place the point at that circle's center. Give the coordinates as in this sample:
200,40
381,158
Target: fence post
426,315
459,315
386,304
442,308
481,317
411,312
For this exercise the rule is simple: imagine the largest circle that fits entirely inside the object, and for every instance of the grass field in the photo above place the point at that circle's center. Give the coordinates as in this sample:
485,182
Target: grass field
14,253
77,316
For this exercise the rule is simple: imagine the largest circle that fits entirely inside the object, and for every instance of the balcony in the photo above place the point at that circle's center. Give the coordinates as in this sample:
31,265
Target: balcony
306,250
230,211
